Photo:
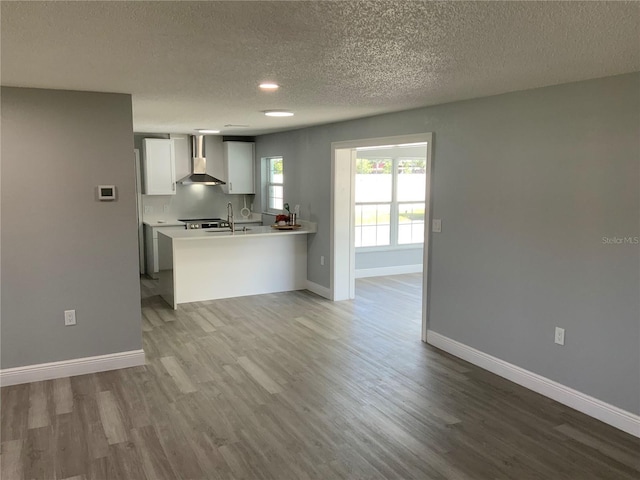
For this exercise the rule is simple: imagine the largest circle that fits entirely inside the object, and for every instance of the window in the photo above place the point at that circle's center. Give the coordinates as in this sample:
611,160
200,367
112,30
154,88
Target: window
390,200
374,196
275,184
411,190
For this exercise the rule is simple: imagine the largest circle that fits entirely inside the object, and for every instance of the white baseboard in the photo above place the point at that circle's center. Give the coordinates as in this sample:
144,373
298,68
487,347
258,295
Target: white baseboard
382,271
70,368
319,290
610,414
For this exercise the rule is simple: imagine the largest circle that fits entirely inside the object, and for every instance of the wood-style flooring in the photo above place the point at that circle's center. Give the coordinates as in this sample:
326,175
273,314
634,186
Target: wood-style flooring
292,386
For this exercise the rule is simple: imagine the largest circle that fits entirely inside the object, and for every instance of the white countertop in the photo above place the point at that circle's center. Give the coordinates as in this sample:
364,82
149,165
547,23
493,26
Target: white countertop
253,231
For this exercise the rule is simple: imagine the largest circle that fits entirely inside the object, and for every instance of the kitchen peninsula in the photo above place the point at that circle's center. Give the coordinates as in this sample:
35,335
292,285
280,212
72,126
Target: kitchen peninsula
200,265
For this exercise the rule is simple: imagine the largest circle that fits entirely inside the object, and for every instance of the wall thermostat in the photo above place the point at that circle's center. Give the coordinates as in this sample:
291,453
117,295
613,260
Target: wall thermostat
106,193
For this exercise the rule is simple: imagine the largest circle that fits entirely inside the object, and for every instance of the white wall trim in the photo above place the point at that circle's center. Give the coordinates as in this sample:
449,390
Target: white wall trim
607,413
70,368
319,290
393,270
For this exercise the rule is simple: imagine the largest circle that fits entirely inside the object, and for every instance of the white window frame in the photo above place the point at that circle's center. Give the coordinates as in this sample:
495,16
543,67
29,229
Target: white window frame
394,217
269,183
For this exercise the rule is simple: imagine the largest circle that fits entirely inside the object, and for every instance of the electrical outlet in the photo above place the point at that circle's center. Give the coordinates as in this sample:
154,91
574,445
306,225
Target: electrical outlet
321,259
166,209
559,339
148,209
436,225
69,317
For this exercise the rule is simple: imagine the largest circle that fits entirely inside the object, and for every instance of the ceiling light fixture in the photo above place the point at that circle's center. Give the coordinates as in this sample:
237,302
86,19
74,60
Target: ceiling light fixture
206,130
269,86
278,113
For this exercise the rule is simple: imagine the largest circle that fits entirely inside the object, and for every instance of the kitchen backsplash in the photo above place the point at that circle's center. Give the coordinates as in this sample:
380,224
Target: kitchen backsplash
193,201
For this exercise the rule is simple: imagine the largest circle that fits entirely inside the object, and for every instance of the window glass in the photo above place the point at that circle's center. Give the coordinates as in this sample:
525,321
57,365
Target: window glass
276,170
276,201
410,223
374,180
373,225
412,179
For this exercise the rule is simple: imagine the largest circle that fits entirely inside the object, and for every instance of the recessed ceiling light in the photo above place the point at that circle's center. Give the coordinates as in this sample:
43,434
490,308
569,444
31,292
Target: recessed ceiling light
269,86
278,113
206,130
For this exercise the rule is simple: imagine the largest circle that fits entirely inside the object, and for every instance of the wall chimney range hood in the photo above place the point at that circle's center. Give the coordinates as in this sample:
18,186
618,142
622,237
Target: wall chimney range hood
199,165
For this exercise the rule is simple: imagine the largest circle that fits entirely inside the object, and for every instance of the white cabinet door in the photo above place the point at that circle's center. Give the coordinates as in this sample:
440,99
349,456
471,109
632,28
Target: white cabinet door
182,154
159,166
239,167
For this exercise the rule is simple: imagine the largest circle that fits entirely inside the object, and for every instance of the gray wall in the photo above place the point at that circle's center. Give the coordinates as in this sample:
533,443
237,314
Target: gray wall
526,184
61,248
388,258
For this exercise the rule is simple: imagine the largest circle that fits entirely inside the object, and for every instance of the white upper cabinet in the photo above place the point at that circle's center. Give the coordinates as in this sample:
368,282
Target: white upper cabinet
159,166
239,168
182,152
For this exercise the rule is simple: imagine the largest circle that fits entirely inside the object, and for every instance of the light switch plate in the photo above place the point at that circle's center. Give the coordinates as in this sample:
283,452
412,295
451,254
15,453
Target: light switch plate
436,225
148,209
69,317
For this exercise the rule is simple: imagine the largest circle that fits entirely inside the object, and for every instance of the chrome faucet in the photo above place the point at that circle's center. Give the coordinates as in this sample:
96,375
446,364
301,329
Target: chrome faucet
230,217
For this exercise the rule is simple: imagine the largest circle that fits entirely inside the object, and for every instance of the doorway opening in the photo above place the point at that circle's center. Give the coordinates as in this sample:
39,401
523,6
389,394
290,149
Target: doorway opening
400,217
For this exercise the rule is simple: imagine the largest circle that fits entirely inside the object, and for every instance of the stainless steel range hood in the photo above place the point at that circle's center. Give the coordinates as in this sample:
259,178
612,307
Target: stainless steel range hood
199,165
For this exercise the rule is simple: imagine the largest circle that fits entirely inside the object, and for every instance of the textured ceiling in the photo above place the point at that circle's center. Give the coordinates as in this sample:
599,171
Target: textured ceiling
195,65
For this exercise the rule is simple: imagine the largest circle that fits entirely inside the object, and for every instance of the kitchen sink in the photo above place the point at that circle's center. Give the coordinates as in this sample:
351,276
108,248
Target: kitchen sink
226,230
